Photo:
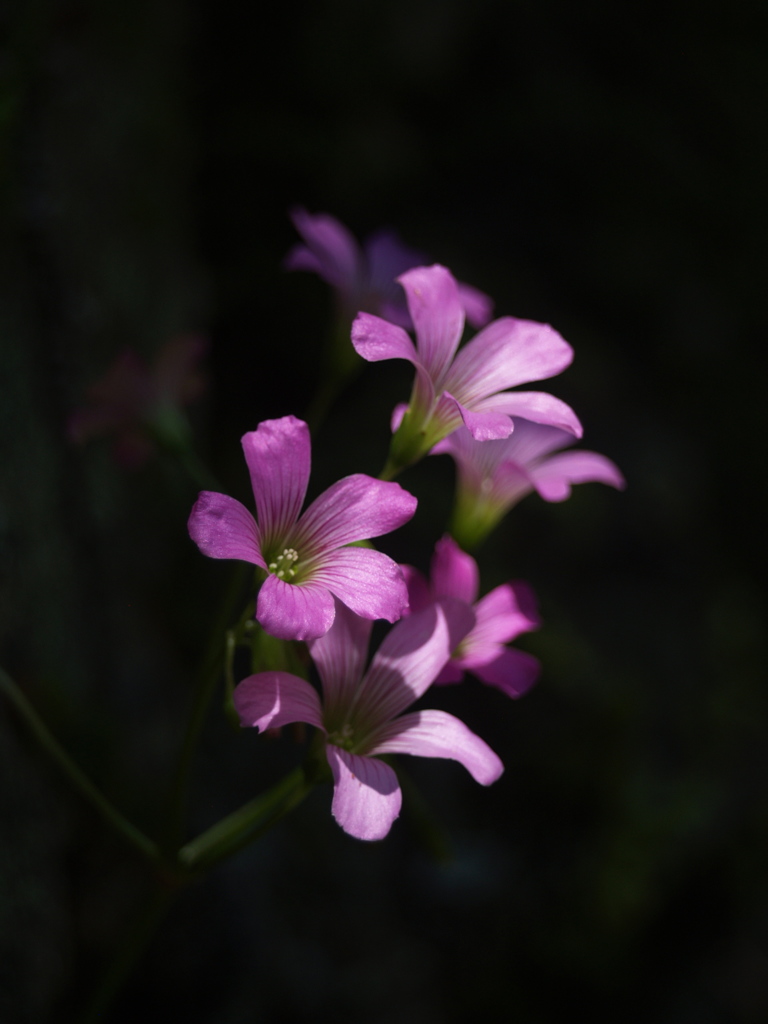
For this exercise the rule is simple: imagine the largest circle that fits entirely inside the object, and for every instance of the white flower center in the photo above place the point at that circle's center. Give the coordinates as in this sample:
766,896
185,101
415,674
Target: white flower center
283,565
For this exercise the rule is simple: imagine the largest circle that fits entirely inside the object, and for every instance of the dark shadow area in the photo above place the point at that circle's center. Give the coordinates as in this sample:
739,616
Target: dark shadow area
598,167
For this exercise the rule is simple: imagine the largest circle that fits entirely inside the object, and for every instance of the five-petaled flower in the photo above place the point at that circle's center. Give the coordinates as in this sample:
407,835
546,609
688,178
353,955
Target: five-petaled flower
502,615
360,713
305,557
470,386
364,277
495,475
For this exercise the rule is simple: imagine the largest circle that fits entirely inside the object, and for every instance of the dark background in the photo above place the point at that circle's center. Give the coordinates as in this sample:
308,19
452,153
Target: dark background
601,167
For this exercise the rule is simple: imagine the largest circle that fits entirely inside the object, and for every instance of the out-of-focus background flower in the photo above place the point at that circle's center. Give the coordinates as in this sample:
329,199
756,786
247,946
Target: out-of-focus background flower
597,166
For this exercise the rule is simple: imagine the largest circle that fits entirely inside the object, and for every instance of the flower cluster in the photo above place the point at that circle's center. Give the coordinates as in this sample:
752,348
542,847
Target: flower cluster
320,580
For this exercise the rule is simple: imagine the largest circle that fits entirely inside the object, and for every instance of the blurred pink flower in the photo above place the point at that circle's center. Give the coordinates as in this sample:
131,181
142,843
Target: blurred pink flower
502,615
138,403
364,277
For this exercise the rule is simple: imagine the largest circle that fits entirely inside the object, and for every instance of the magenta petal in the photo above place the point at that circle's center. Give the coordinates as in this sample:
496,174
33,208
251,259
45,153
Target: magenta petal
299,257
505,613
477,305
483,426
223,528
511,671
450,673
438,734
293,611
410,657
554,477
367,581
397,416
375,340
537,407
437,314
454,572
355,508
268,700
419,594
340,658
505,353
366,794
331,251
387,257
278,457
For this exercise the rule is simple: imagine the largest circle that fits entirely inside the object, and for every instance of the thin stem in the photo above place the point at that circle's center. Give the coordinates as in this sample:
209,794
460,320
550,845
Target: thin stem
76,776
206,687
128,954
248,823
390,471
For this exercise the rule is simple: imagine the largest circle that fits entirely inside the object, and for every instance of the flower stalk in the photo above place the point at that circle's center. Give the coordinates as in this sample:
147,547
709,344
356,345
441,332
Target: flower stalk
76,776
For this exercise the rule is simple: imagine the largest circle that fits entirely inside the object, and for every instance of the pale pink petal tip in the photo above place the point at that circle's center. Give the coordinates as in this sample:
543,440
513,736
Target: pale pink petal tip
366,794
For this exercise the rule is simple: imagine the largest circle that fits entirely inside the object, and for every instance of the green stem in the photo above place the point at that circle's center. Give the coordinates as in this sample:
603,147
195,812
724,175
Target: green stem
206,687
248,823
76,776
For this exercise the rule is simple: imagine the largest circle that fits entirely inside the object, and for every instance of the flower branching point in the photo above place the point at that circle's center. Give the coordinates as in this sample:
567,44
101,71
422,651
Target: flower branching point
494,476
468,386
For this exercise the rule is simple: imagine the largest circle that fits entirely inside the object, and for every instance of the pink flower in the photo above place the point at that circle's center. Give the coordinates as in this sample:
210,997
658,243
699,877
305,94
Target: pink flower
500,616
138,403
471,386
364,278
360,713
306,558
495,475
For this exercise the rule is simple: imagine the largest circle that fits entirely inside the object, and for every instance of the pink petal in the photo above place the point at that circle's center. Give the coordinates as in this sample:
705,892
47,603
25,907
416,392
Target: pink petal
477,305
505,353
340,657
449,674
331,250
409,659
268,700
367,581
437,314
505,613
454,572
299,257
483,426
223,528
419,594
355,508
387,257
366,795
513,672
375,339
553,478
278,457
538,407
438,734
397,416
292,611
